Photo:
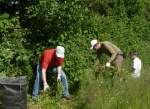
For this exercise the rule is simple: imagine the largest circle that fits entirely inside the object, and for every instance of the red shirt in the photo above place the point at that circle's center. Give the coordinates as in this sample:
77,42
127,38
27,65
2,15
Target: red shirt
49,59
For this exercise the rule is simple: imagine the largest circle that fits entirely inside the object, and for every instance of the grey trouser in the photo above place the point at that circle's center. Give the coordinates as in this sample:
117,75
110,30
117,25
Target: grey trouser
118,61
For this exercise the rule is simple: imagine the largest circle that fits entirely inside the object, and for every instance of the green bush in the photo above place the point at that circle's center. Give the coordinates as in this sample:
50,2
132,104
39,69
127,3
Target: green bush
72,24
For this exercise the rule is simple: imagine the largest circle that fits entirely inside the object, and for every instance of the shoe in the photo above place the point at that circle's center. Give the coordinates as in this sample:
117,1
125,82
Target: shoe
33,99
68,97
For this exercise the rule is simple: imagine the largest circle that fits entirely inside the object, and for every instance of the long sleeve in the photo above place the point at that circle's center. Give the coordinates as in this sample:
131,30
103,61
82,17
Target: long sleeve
112,51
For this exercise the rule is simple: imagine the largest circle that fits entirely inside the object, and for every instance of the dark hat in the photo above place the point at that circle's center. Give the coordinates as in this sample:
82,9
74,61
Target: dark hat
132,53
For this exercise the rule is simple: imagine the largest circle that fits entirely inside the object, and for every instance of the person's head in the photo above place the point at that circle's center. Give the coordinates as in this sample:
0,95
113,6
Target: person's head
95,44
133,55
60,51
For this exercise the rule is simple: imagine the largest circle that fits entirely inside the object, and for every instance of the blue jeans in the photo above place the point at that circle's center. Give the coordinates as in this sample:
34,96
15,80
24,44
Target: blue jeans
38,80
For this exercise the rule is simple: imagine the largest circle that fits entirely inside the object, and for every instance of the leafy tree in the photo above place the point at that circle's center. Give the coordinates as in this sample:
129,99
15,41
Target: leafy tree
33,26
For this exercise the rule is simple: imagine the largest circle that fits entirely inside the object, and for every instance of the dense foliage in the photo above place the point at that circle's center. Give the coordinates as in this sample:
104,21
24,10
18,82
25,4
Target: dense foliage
29,27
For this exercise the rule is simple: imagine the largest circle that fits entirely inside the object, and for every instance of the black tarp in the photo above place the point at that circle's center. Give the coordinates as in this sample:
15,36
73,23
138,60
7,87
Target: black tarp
13,93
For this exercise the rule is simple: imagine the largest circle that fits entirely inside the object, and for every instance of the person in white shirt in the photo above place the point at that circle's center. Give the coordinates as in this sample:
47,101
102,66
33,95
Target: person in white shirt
136,65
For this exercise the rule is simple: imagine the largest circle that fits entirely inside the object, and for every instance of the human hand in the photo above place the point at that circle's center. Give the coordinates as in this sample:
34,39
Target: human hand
108,64
59,78
45,86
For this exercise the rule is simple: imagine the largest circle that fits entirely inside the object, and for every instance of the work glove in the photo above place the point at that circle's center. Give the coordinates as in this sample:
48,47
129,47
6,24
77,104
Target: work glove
45,86
108,64
59,78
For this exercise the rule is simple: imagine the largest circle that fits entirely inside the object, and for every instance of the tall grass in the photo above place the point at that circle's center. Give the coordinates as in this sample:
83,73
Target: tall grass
114,92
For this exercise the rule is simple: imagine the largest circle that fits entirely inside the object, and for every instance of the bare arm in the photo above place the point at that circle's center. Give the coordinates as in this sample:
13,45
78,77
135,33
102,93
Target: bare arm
59,68
44,75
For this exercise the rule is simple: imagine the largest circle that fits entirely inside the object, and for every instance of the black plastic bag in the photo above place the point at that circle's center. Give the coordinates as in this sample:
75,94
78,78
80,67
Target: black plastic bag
13,93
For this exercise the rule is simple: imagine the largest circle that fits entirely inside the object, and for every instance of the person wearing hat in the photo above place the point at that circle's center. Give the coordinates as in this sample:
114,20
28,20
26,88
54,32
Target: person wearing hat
136,65
51,59
108,48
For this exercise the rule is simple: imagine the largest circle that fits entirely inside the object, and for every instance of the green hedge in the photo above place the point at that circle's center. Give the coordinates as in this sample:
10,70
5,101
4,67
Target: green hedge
72,24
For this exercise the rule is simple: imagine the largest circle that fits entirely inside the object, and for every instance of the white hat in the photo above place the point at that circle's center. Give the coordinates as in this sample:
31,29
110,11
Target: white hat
93,42
60,51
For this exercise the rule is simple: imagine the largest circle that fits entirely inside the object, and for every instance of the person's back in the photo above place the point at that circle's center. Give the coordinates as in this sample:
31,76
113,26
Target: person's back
136,66
114,47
